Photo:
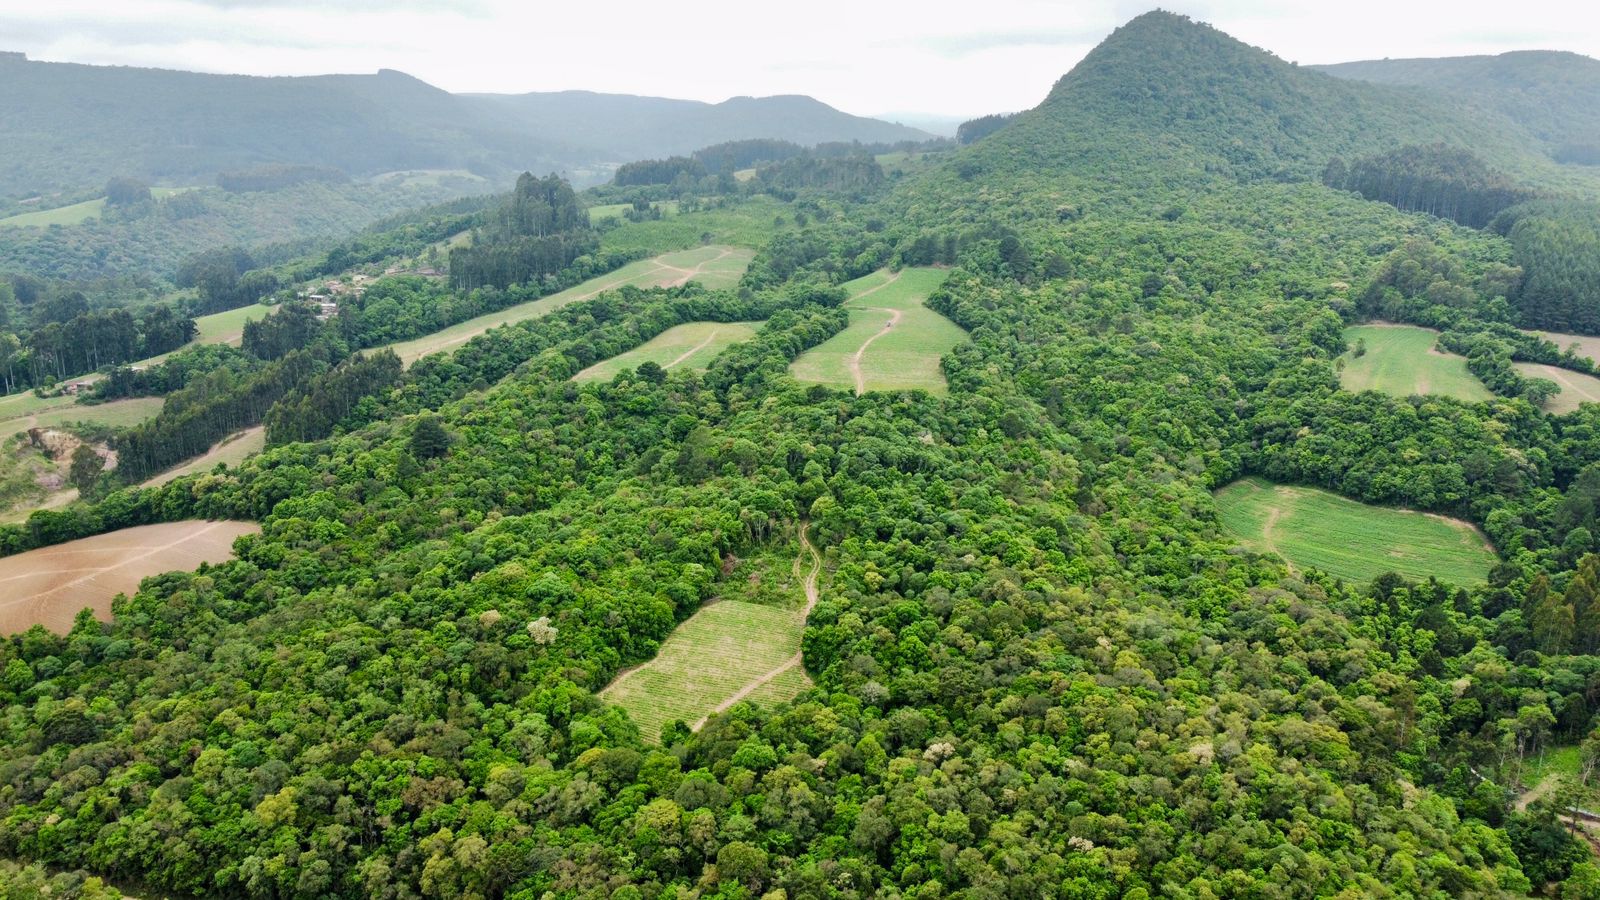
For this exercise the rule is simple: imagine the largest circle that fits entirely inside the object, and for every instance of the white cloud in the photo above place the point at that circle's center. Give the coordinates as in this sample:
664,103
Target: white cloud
937,56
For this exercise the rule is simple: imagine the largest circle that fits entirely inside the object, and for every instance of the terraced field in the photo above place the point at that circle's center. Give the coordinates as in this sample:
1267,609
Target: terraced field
712,266
893,342
1576,387
1315,529
691,346
1401,360
728,652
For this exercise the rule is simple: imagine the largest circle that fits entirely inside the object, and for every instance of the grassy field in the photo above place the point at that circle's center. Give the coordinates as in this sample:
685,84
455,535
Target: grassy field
893,342
744,645
19,412
690,346
710,657
669,208
716,266
73,214
1400,360
231,450
1576,387
50,585
1315,529
750,223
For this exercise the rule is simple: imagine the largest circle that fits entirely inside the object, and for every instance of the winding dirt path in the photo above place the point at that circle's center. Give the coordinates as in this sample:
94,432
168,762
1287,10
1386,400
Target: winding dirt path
1534,794
699,268
855,360
810,585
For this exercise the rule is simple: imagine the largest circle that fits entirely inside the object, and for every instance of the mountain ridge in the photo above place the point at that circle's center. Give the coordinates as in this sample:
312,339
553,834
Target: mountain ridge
70,126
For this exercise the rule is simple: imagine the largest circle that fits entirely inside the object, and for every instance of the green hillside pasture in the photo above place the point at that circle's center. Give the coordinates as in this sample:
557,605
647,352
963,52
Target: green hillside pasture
1315,529
708,263
1576,387
1401,360
230,450
226,327
669,208
749,223
893,341
690,346
709,658
19,412
72,214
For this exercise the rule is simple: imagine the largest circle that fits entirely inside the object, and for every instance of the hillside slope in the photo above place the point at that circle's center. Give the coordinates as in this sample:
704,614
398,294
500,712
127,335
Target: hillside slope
70,127
1166,90
1554,95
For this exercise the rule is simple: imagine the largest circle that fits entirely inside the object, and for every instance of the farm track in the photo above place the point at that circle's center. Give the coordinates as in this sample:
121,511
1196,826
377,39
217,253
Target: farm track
693,350
810,586
855,360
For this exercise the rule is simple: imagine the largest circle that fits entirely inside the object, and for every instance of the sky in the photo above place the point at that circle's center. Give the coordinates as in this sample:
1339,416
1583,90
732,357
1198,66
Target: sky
869,57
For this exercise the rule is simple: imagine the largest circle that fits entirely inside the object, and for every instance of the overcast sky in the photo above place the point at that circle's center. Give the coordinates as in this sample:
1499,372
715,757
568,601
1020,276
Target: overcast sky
864,56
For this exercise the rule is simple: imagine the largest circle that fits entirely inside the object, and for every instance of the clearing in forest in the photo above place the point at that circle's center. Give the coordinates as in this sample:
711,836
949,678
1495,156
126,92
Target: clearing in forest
1576,387
19,412
1315,529
1587,347
50,585
715,267
893,341
690,346
728,651
1401,360
73,214
231,450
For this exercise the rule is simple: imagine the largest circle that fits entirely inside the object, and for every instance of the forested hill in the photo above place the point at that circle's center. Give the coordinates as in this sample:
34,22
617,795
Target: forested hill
71,127
629,127
1554,95
1188,98
1037,660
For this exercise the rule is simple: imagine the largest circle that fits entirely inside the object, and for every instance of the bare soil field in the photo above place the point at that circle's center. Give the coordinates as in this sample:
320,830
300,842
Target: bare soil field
50,585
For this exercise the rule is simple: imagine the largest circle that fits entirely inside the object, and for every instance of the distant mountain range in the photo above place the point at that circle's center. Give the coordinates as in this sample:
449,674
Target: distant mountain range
66,126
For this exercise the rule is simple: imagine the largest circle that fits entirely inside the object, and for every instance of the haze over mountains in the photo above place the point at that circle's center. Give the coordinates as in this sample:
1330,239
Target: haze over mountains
66,126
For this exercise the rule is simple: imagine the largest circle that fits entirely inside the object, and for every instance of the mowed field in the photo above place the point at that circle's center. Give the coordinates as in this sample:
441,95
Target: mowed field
1315,529
893,341
73,214
712,266
690,346
1588,347
50,585
19,412
231,450
727,652
1576,387
1401,360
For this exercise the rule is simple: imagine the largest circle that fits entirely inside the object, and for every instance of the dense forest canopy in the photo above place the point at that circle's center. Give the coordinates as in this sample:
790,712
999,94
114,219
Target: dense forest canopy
1037,665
